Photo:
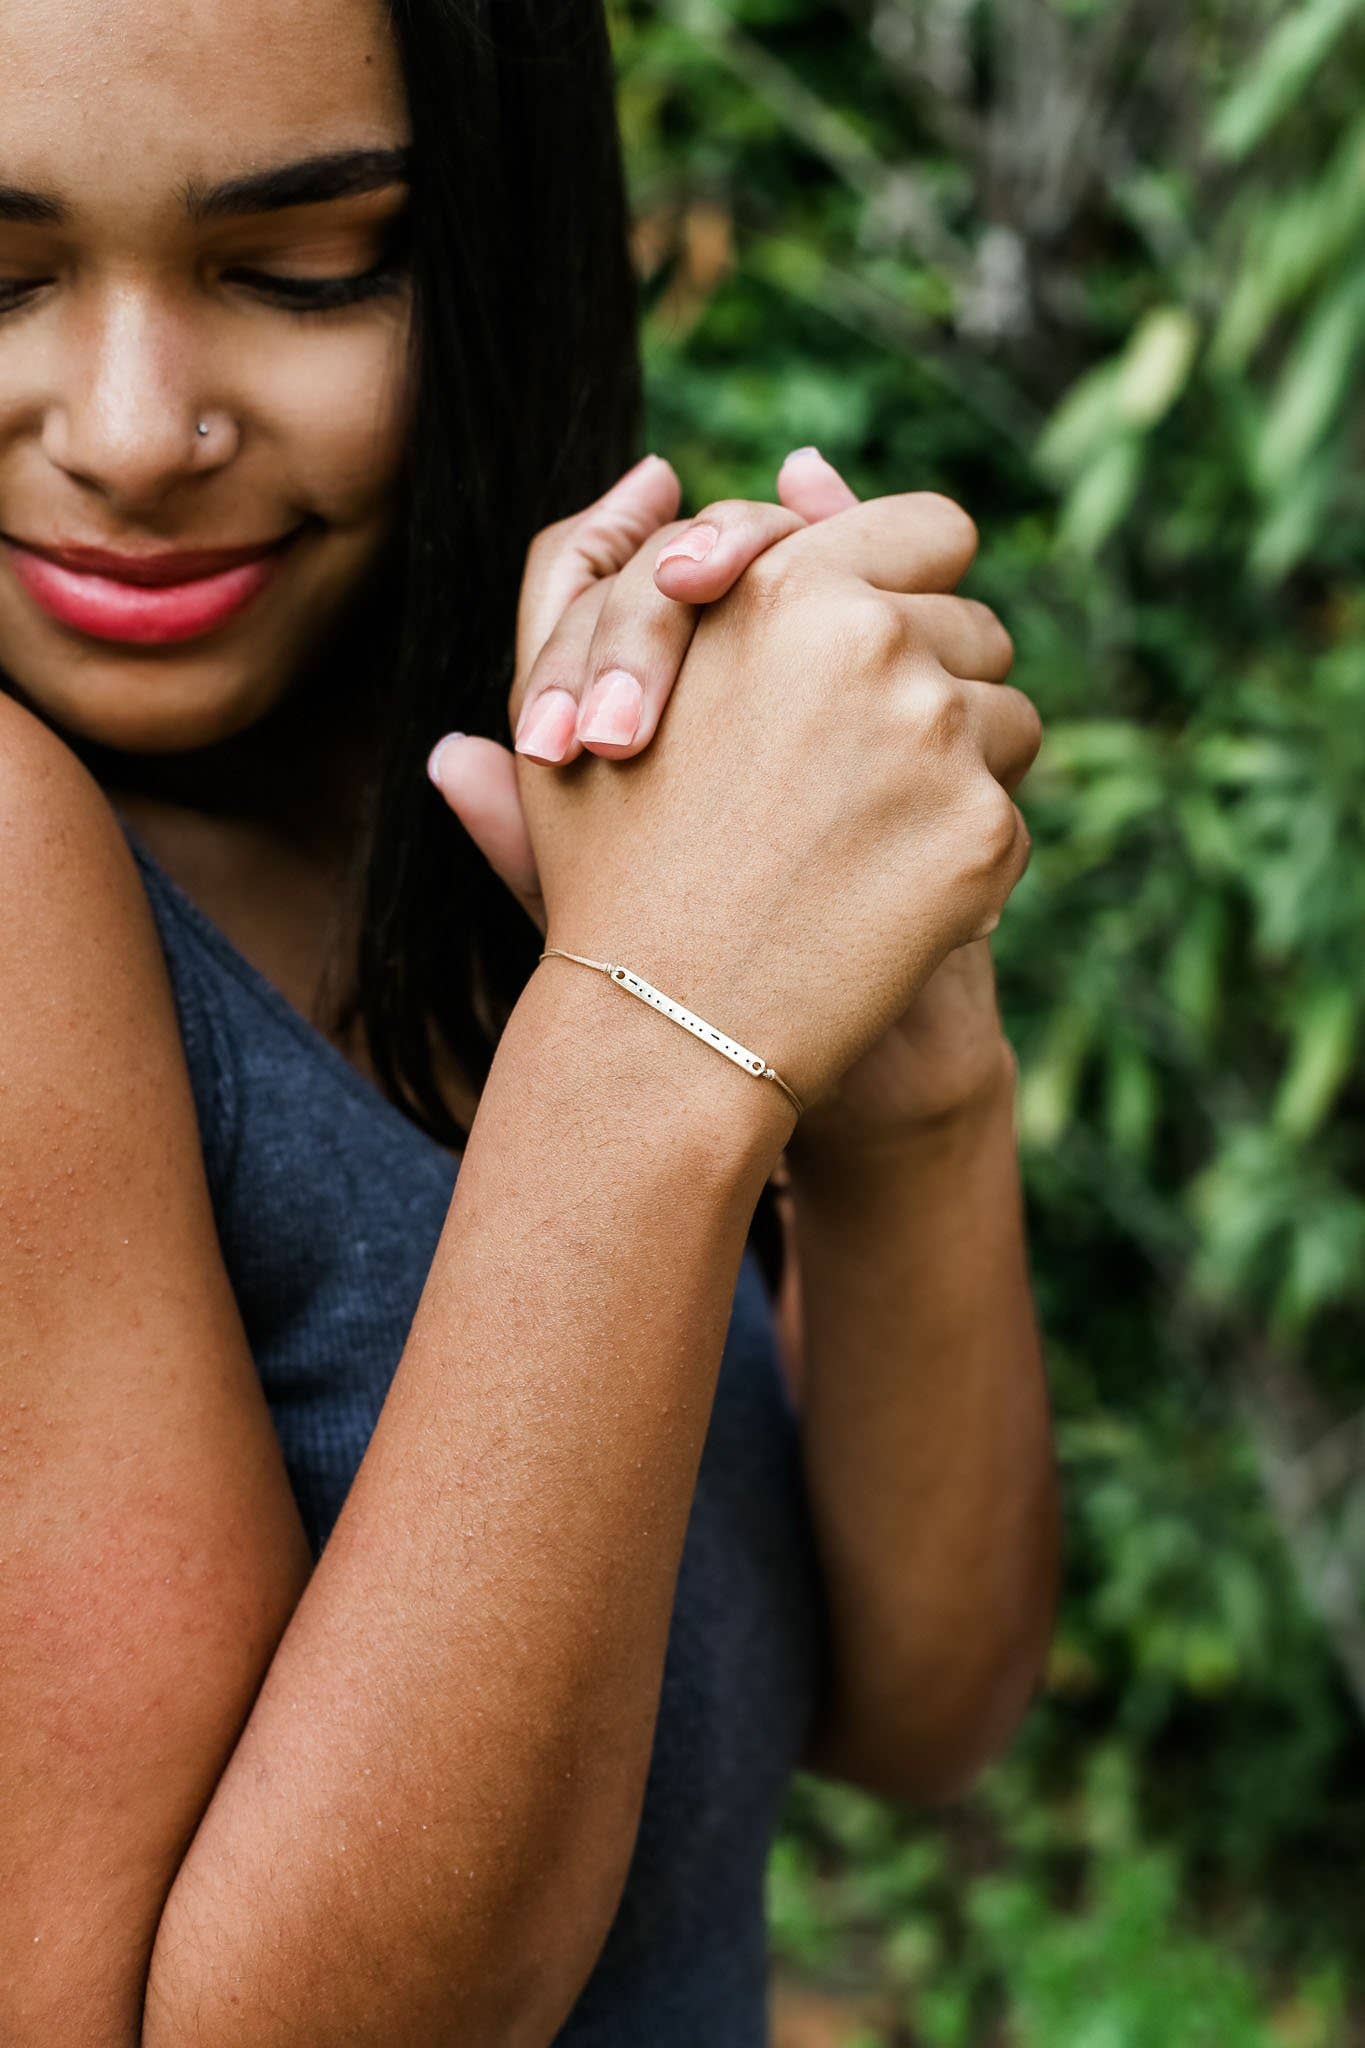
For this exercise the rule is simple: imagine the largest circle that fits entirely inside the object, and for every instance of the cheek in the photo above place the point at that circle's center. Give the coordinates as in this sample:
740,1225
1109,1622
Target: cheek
336,407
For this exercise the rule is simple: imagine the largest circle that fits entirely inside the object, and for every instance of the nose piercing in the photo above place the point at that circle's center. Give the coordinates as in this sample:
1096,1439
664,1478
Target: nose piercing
202,430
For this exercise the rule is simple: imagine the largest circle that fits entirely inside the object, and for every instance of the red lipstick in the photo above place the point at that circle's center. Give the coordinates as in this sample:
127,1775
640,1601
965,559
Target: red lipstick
150,600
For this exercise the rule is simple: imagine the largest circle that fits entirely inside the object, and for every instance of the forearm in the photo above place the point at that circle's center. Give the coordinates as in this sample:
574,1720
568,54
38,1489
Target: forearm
424,1828
927,1448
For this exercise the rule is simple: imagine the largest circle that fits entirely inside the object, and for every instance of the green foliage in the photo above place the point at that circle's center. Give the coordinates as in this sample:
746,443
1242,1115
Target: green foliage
1097,267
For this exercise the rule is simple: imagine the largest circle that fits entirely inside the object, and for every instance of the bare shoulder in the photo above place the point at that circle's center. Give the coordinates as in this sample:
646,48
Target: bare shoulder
74,920
92,1069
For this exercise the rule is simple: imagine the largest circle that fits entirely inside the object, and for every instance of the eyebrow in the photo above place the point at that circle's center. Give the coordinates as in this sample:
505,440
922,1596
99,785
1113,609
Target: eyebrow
341,174
311,182
30,209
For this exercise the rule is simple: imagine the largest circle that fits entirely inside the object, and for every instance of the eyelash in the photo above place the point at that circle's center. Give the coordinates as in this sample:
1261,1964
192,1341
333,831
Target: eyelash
14,295
299,295
322,294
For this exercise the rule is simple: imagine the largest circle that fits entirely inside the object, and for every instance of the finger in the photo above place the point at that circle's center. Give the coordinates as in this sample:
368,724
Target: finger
1007,727
544,705
698,562
641,638
810,485
644,626
564,559
964,634
478,779
701,561
914,541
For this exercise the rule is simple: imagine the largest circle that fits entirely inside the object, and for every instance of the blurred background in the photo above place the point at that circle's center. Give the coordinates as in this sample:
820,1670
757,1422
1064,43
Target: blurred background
1097,267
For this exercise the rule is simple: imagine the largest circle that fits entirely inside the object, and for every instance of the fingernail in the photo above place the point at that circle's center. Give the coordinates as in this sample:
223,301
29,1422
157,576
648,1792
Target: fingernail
612,710
434,757
695,545
634,470
797,453
547,725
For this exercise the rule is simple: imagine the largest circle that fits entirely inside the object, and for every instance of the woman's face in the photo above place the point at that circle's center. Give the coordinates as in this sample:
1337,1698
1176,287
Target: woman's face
201,210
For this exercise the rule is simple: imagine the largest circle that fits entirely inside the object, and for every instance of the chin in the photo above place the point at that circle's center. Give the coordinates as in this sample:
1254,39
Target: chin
176,699
156,705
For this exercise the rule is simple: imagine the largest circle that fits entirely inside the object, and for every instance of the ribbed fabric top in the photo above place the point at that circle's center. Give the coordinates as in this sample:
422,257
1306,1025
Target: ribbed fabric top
329,1203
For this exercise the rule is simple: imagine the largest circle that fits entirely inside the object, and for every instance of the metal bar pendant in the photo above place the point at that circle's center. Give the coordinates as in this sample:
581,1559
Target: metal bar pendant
752,1062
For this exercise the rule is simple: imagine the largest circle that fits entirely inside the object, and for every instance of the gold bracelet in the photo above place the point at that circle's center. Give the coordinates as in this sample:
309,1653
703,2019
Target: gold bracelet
752,1062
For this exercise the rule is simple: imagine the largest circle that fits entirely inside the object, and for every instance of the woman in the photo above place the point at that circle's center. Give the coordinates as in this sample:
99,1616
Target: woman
310,318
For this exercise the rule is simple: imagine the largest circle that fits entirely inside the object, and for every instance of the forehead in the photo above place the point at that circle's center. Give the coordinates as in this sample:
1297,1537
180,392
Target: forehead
110,96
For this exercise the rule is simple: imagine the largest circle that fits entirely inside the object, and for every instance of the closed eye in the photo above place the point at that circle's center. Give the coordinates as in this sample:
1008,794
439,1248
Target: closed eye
322,294
15,291
293,294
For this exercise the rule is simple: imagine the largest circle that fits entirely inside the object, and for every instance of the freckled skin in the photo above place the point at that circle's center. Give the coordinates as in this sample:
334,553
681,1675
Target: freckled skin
102,381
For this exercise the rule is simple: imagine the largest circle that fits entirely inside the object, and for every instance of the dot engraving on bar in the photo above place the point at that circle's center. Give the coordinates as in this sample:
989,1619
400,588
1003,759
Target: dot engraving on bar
738,1053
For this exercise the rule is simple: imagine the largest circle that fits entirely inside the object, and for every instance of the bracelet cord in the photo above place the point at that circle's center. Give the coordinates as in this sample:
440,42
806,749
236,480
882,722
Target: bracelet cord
752,1062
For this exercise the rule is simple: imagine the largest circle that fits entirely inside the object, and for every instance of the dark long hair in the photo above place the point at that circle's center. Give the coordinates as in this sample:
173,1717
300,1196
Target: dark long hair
528,382
528,375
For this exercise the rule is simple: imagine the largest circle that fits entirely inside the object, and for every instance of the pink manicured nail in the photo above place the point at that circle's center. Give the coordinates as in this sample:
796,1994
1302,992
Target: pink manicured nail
434,757
547,725
612,709
694,545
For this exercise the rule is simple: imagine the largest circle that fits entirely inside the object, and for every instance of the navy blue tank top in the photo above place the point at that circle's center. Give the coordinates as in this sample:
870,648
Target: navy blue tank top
329,1203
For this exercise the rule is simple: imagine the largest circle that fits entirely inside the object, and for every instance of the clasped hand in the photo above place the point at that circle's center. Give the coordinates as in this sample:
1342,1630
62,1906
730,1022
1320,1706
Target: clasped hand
610,605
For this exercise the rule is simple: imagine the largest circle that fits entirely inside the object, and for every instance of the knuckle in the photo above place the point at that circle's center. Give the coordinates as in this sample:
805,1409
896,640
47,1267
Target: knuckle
639,638
999,830
995,828
607,540
875,623
768,581
938,709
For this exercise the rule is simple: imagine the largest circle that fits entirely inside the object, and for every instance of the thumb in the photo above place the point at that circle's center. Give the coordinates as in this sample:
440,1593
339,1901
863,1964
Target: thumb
807,484
478,779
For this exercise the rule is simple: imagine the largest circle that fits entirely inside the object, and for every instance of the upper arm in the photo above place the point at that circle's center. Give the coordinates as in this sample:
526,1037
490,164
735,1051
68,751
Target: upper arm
152,1549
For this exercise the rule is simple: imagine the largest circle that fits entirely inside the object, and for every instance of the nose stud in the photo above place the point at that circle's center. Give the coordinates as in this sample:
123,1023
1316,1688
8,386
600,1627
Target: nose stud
202,430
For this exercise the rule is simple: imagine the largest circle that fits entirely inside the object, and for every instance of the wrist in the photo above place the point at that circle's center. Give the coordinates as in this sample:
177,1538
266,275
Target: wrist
827,1148
631,1078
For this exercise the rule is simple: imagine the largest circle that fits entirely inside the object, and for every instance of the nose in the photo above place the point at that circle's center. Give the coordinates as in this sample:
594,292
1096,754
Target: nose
124,422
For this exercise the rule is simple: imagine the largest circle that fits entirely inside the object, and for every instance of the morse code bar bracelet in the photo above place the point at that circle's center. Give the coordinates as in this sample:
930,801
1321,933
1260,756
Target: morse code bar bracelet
752,1062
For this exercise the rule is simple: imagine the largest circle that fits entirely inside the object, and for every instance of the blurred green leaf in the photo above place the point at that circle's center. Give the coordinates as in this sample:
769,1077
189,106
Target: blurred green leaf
1322,1045
1156,364
1102,495
1301,41
1098,273
1315,382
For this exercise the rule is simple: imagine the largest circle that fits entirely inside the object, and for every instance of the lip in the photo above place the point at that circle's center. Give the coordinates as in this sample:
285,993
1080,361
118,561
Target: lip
145,600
